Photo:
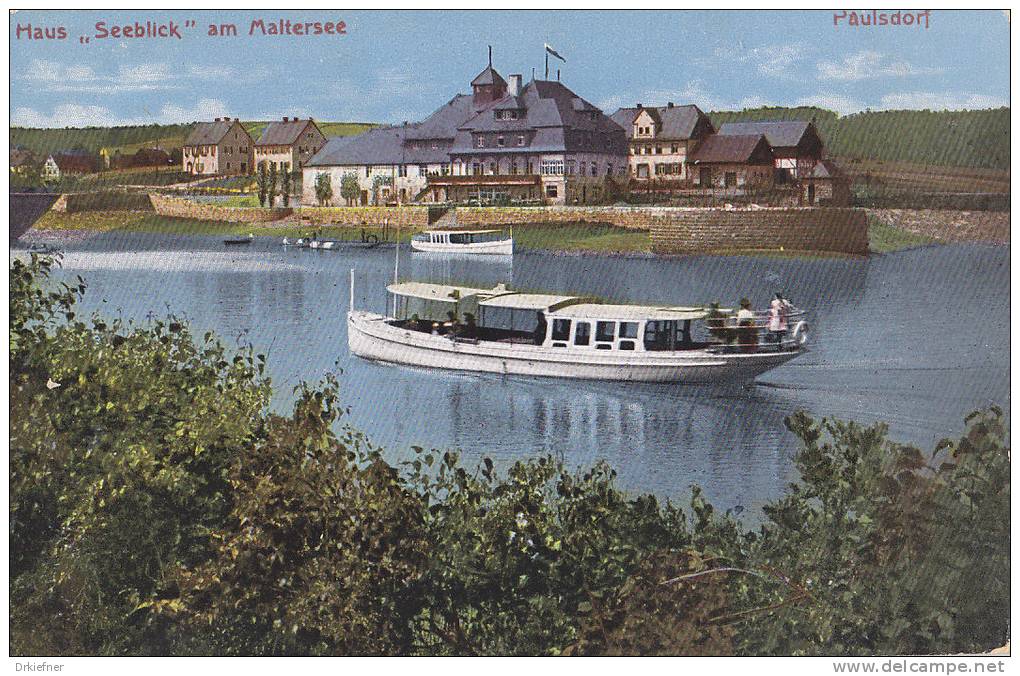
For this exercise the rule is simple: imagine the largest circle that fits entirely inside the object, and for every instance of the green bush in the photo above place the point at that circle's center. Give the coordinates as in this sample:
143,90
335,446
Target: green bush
157,506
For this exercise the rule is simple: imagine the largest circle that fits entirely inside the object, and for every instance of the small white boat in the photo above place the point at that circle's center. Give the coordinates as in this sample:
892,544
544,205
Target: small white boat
323,244
489,242
500,331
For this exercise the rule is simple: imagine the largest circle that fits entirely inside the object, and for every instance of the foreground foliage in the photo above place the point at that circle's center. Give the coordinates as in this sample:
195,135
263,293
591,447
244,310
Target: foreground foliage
158,507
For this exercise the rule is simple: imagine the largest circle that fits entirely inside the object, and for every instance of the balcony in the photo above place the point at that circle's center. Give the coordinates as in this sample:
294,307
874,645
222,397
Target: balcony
485,179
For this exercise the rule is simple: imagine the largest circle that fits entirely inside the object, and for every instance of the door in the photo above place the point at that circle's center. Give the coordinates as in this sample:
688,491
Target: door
705,178
364,197
811,193
731,179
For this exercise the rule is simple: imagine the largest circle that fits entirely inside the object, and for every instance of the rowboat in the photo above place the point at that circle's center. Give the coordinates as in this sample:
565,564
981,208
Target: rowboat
531,334
240,240
483,242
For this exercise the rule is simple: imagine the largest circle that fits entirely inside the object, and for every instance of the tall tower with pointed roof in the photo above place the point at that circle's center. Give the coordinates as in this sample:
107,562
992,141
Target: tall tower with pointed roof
488,86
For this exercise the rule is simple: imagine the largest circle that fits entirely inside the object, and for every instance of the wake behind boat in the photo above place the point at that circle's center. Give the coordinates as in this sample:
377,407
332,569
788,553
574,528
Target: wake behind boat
488,242
500,331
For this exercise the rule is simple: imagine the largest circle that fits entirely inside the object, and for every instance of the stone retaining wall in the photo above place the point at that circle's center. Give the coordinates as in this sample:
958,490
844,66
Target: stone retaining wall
802,229
948,224
404,216
181,208
73,203
638,218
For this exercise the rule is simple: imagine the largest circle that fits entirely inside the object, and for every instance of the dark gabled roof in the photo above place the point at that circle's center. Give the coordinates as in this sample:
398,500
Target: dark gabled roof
779,134
208,133
549,106
826,169
674,122
728,149
383,145
443,123
283,133
487,77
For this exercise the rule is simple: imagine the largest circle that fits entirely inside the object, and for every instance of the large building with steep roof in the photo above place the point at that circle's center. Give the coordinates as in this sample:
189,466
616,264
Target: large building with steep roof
503,142
661,139
222,147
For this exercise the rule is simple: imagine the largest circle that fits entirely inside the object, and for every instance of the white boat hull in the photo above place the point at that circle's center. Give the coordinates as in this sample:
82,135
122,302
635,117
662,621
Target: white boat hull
503,247
370,336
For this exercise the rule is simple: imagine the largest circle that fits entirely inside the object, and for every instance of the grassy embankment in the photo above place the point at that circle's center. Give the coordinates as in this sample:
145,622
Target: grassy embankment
594,238
884,238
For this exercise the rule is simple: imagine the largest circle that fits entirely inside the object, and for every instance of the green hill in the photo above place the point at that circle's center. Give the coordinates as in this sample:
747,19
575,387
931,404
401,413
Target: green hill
131,138
968,138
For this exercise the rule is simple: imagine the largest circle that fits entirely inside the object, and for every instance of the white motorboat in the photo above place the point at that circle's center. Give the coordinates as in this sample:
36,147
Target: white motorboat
500,331
489,242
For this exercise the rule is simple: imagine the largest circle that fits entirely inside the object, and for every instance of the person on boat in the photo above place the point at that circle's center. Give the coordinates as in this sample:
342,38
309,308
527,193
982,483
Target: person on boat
435,328
452,324
470,328
747,333
779,312
538,334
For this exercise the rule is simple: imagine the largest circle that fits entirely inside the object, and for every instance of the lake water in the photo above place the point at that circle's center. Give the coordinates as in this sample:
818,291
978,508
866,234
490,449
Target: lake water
917,338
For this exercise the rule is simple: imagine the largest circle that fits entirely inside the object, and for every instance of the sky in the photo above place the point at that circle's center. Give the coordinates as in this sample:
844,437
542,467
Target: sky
395,66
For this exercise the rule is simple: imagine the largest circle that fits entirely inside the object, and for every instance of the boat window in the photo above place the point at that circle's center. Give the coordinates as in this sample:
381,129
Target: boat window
628,330
603,346
605,331
559,344
459,239
582,334
626,345
561,329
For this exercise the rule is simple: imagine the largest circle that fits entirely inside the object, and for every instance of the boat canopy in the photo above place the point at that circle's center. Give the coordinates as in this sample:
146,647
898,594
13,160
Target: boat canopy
435,292
461,232
531,301
573,307
629,312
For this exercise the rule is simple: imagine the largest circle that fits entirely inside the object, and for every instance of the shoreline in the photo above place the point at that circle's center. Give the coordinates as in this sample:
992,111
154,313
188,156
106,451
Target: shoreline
568,240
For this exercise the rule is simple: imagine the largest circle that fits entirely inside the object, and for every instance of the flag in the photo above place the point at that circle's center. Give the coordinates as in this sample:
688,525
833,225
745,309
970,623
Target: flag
552,51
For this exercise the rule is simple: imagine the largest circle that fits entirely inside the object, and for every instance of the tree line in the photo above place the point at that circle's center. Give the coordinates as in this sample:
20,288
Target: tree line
159,507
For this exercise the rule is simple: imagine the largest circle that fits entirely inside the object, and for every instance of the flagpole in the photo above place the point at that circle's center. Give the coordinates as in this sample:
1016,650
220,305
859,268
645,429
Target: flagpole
547,63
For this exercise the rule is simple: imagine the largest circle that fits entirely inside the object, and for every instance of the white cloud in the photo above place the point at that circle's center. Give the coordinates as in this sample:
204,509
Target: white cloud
844,105
941,101
769,60
694,92
211,72
868,64
204,109
51,76
69,115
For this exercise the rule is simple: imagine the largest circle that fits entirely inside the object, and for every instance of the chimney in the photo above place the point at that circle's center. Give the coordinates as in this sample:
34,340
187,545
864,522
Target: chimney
284,118
557,74
669,104
237,119
639,106
515,85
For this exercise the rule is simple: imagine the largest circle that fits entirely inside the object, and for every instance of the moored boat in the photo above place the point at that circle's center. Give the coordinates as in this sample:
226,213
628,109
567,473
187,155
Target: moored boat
483,242
501,331
240,240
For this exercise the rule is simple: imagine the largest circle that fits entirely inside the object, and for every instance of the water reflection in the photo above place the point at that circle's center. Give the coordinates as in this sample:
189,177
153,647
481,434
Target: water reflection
918,338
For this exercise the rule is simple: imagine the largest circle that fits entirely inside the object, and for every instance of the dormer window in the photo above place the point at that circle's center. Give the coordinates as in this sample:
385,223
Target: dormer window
520,140
481,141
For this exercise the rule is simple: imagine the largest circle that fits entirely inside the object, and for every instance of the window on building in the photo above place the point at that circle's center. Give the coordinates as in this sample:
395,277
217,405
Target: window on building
552,167
423,170
435,145
481,142
500,141
658,150
520,139
550,191
368,171
570,167
402,171
674,149
609,169
731,179
492,168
